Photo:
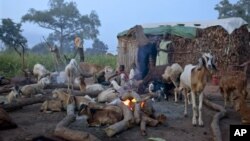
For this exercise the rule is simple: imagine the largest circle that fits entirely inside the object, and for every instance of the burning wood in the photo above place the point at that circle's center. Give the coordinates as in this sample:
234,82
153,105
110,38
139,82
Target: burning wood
136,111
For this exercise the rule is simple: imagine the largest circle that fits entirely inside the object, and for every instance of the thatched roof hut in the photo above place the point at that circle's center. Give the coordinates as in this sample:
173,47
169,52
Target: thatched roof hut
227,38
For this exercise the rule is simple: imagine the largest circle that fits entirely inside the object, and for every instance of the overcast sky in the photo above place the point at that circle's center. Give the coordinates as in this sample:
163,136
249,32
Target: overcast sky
115,15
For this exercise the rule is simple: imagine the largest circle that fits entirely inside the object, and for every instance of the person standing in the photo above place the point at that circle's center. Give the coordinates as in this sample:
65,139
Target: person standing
79,48
164,55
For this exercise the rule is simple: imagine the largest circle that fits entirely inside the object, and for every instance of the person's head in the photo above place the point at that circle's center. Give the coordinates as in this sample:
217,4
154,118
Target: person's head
121,68
166,36
133,66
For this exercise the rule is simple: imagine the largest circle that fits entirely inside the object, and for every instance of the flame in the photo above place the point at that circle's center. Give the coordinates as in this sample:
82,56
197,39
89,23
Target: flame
133,100
142,104
126,102
130,103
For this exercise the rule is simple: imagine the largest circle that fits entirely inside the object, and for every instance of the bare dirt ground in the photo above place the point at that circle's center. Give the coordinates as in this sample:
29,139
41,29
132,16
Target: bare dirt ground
33,123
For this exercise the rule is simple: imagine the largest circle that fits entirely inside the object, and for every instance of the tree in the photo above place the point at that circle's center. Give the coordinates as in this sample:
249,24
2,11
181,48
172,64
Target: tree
40,48
98,47
240,9
10,34
65,20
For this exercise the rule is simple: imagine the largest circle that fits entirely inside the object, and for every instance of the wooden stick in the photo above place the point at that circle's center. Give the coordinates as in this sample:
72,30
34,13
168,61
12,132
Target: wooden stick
215,123
23,102
72,135
146,120
137,111
64,132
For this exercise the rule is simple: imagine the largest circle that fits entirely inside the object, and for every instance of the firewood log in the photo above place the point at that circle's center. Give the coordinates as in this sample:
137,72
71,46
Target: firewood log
64,132
215,123
120,126
23,102
146,120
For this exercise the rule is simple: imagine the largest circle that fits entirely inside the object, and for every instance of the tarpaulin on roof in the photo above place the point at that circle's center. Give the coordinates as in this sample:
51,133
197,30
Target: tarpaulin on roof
229,24
182,31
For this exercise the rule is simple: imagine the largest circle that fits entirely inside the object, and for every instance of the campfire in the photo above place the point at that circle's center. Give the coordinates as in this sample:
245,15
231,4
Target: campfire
130,103
136,111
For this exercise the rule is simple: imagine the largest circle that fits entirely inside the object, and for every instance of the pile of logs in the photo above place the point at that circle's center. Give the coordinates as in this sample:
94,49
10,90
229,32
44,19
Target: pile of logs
137,111
230,49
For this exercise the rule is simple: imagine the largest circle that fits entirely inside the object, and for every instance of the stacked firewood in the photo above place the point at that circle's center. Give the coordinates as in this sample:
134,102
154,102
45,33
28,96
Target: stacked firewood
229,50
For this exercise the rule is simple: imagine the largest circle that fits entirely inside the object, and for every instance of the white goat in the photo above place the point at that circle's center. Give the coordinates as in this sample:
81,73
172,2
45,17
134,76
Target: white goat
94,88
11,96
33,89
172,74
39,71
193,79
71,71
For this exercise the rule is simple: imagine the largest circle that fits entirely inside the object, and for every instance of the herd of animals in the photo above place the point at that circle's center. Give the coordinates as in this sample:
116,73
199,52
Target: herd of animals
187,82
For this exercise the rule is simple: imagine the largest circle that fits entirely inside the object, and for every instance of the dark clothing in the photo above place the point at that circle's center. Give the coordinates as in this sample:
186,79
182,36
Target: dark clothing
80,52
143,58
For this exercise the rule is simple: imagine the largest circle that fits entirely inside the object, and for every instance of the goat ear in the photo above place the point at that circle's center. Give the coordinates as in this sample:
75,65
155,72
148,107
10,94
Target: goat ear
200,63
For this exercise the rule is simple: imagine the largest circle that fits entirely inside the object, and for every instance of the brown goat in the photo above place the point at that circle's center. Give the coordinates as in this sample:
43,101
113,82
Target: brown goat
90,70
106,116
233,82
241,107
80,81
64,97
51,106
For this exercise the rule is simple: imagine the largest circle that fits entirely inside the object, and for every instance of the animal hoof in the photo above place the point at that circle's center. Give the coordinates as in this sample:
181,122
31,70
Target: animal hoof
201,124
194,122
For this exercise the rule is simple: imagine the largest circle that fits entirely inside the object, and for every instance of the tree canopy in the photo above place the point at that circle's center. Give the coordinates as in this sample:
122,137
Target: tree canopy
10,34
98,47
65,20
239,9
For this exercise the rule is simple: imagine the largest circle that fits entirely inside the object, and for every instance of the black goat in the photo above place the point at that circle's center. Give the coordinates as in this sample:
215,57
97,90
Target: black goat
161,89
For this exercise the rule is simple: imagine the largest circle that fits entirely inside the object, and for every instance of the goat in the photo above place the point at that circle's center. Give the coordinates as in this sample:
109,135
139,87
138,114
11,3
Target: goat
193,79
15,92
153,74
49,106
105,116
71,71
88,88
161,89
80,81
172,74
241,107
32,89
91,70
233,82
39,71
64,97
